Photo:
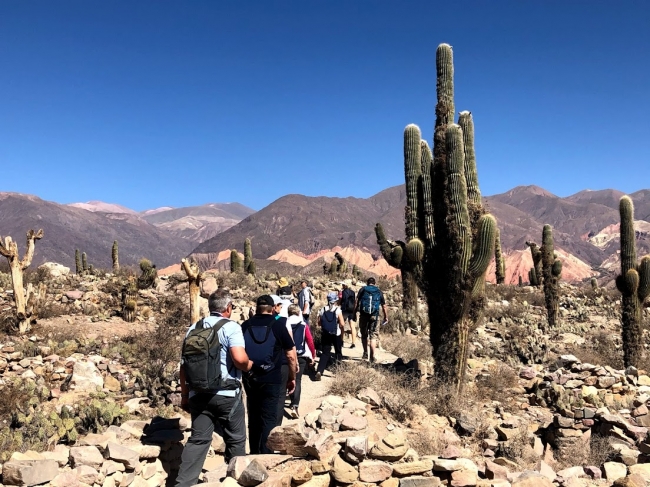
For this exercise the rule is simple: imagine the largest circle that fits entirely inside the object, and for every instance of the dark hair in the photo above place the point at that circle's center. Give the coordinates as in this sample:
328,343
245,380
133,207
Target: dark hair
371,280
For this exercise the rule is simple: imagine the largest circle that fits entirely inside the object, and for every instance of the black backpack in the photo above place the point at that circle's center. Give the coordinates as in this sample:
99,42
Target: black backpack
202,357
348,299
329,321
260,346
299,338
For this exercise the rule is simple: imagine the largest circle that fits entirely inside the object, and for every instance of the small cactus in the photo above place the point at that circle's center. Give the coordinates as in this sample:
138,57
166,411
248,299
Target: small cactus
149,274
84,263
77,261
130,301
115,257
521,281
235,261
249,263
594,283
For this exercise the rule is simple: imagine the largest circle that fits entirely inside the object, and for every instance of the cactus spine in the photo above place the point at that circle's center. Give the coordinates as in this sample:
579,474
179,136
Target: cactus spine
114,256
130,301
450,237
235,261
249,263
407,256
551,270
634,285
77,262
84,263
499,262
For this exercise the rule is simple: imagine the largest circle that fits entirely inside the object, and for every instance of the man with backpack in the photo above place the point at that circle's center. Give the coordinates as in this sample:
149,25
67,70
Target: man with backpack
267,341
212,362
304,350
369,300
348,305
330,320
305,300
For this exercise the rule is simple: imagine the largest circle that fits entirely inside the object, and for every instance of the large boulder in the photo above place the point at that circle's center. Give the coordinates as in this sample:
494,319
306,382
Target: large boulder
29,472
86,377
54,269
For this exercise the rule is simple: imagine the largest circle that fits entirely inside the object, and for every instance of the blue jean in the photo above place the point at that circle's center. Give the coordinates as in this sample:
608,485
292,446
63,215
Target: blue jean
262,401
207,410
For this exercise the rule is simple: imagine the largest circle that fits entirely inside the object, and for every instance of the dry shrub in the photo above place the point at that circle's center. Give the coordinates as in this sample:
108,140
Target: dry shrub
600,349
500,292
407,347
497,385
159,349
598,451
426,442
351,377
51,310
519,448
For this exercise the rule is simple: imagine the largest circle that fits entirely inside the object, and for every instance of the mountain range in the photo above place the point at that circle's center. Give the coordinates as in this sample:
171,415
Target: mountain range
306,231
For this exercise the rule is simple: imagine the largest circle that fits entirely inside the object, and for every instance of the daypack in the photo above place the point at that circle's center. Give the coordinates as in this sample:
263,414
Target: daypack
260,347
202,357
370,300
299,338
347,300
329,321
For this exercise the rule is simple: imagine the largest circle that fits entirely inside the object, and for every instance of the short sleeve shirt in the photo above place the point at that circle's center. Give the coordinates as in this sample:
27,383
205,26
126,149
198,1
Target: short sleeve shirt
230,335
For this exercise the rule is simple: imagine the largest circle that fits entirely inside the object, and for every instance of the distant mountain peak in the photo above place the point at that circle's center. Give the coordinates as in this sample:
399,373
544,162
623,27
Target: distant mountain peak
103,207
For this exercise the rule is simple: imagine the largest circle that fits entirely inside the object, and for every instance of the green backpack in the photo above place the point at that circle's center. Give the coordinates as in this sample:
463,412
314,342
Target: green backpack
202,357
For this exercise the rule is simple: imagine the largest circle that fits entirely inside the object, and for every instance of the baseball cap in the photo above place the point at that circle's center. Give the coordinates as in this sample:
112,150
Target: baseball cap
265,300
331,297
276,299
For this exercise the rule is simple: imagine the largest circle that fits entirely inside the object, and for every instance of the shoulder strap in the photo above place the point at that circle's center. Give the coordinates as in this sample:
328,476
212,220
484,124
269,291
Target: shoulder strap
266,337
220,324
199,324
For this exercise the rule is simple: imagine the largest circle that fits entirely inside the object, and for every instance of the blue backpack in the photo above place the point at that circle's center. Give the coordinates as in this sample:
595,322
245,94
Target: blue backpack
299,338
329,321
370,300
260,346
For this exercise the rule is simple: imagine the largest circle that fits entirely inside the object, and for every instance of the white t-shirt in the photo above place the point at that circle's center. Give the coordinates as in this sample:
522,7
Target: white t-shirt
337,311
294,320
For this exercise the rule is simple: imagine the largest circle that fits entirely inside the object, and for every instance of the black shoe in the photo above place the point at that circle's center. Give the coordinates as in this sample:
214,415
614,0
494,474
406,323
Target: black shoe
364,356
317,377
353,346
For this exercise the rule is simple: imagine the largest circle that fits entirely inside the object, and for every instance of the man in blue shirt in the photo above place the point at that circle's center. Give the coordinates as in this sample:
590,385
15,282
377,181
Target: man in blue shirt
222,406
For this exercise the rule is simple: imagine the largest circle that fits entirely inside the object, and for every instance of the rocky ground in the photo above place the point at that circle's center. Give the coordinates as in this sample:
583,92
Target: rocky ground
89,399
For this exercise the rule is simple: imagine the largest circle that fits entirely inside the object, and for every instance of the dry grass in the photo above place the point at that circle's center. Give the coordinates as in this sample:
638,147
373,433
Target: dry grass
407,347
600,349
426,442
498,384
598,451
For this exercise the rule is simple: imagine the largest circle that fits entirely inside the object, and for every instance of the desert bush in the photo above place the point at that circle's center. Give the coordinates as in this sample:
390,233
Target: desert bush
498,383
519,448
500,292
51,309
407,347
5,280
600,349
426,442
159,349
598,451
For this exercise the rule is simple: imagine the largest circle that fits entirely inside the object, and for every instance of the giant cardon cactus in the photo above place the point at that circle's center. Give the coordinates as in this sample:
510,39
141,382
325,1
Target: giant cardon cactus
449,236
535,272
634,285
551,270
499,261
249,262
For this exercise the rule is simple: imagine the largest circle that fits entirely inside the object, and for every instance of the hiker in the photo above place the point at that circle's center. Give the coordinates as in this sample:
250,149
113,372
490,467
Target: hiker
369,300
348,304
305,300
267,341
330,320
304,350
284,289
213,398
280,306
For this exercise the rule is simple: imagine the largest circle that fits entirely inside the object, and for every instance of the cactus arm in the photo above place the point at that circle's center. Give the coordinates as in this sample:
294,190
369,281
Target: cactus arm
628,243
484,246
412,173
644,278
467,125
387,250
427,204
32,236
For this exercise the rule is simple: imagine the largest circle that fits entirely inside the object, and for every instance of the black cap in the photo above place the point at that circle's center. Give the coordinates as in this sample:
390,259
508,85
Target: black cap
265,300
371,280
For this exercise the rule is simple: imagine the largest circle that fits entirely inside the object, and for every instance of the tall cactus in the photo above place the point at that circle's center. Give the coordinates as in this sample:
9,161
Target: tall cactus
535,273
77,262
499,261
450,237
235,261
551,270
84,263
634,285
249,263
342,264
407,256
115,257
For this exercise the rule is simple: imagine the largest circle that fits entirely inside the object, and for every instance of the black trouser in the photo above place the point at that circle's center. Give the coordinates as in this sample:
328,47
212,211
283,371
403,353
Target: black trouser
208,409
262,402
295,395
283,395
327,341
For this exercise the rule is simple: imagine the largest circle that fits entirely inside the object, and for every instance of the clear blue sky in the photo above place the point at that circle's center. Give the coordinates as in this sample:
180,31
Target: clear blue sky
156,103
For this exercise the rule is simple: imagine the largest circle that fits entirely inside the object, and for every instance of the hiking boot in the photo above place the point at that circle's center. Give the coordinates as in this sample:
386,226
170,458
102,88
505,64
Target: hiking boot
317,377
353,346
293,412
364,356
373,360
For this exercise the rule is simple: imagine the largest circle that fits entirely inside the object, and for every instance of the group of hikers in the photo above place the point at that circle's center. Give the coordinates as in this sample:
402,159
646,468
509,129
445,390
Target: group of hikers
266,356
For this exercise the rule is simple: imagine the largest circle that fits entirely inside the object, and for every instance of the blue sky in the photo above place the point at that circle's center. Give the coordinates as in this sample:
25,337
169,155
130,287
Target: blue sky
162,103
